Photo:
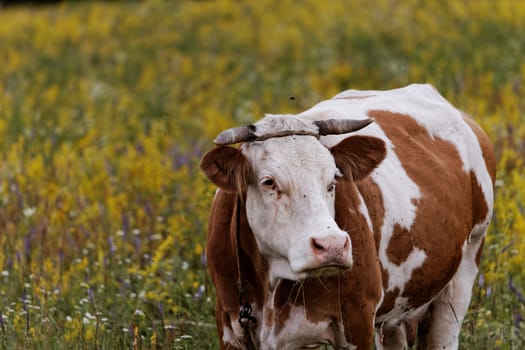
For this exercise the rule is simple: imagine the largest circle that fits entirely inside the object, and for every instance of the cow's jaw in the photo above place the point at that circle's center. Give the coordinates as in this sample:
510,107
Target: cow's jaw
290,208
280,269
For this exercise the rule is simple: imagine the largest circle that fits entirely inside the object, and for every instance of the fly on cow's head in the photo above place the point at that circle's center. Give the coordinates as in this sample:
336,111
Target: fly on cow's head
290,178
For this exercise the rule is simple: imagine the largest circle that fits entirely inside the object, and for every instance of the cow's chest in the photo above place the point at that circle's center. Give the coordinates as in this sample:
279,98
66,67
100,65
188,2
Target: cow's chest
292,330
296,323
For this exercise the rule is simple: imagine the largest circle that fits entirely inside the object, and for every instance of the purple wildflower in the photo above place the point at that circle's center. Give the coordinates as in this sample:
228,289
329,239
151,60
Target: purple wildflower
198,295
137,244
27,245
515,290
125,223
91,295
84,231
61,256
9,264
111,245
204,258
517,321
132,331
148,210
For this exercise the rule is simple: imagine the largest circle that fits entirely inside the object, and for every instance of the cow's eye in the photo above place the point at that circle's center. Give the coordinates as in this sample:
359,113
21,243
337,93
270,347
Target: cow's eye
268,182
269,185
331,187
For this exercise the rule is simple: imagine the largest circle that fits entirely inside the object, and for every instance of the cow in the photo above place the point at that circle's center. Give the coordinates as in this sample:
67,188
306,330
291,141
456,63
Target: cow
359,221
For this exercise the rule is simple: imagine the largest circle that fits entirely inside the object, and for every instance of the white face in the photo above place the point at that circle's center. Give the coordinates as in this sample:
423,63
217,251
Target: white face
290,207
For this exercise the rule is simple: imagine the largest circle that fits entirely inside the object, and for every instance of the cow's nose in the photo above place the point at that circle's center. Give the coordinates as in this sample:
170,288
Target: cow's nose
331,250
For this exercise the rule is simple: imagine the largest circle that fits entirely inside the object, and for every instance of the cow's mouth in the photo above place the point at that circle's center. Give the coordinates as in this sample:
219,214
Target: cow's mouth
316,345
325,270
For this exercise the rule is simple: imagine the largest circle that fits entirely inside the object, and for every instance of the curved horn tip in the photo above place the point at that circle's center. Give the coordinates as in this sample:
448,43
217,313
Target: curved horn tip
234,135
222,140
341,126
360,124
368,121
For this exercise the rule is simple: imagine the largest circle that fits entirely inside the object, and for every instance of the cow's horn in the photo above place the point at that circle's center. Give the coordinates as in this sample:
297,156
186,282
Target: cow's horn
341,126
235,135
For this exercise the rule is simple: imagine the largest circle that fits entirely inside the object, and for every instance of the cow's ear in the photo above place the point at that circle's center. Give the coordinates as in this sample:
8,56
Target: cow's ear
226,167
357,156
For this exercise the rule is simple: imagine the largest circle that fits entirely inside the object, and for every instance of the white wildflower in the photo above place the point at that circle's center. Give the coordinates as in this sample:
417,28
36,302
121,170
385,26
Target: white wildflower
139,312
29,211
155,237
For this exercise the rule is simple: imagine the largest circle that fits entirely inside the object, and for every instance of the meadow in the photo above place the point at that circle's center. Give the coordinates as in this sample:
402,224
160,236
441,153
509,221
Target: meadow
106,109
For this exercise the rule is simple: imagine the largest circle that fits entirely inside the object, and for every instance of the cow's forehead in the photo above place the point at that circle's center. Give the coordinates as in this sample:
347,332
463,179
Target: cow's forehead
289,156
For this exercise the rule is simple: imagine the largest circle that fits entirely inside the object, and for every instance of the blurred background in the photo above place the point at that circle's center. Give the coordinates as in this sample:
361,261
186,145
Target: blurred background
107,107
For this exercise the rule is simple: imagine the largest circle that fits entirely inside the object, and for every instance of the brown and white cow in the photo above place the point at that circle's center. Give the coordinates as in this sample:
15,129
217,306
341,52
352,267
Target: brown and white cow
340,237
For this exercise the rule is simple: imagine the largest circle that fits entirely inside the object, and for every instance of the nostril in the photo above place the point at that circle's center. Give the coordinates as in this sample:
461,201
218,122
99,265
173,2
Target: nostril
316,245
347,242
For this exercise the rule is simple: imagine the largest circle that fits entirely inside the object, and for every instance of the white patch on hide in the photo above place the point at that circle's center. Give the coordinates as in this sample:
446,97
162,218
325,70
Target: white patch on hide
228,337
298,332
364,211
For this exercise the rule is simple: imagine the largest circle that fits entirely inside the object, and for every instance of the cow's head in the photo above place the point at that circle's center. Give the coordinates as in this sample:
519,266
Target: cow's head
290,178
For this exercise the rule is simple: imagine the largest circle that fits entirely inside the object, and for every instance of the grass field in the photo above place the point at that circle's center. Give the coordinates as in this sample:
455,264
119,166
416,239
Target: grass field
106,108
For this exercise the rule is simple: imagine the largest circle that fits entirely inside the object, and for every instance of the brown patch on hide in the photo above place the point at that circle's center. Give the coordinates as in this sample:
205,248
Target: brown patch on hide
444,212
400,245
221,256
389,300
374,202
